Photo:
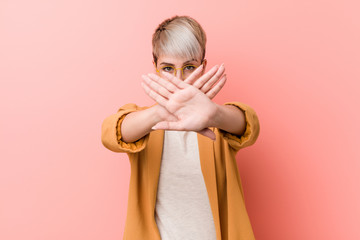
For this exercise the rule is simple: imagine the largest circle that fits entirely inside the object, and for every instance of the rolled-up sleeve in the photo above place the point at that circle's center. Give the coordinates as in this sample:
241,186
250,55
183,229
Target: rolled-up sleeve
111,131
252,128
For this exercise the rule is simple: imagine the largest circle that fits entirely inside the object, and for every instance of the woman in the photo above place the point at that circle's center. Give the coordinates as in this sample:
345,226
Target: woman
184,180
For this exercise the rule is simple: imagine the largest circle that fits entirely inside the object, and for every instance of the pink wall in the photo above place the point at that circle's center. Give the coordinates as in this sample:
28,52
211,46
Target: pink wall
66,65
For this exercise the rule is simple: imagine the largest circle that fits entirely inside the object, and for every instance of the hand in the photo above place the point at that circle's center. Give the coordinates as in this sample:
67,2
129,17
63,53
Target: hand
206,83
192,108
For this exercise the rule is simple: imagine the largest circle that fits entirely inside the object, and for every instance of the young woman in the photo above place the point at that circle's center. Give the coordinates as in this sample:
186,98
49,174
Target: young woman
184,180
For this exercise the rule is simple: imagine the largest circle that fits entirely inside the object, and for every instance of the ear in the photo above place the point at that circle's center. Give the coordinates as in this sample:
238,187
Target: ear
204,64
154,66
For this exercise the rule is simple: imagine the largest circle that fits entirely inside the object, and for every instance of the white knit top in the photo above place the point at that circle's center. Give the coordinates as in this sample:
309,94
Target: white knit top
182,210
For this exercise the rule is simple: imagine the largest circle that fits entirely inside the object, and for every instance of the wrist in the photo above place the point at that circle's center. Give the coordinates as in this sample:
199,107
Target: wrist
215,116
156,115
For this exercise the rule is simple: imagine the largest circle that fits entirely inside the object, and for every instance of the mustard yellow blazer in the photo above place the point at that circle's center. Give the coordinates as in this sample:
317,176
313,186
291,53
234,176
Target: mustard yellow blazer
218,166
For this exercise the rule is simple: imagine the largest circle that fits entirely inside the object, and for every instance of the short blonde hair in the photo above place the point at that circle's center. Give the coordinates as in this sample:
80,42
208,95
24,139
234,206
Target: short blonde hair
179,36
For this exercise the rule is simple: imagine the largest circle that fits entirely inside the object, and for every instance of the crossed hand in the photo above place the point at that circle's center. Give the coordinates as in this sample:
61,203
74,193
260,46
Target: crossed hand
186,105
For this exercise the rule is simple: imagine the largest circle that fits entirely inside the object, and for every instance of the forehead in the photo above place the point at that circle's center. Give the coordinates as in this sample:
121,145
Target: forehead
175,60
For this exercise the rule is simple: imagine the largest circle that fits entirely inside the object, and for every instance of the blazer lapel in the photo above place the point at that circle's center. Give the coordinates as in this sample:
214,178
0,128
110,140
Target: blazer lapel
207,161
154,154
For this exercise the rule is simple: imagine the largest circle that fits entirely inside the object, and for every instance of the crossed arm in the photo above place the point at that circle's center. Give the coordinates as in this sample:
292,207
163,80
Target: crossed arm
184,106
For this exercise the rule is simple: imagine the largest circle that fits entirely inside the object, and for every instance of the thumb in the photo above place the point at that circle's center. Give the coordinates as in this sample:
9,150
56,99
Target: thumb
208,133
164,125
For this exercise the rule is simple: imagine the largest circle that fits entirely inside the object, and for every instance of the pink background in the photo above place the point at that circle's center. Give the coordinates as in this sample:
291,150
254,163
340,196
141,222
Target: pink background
66,65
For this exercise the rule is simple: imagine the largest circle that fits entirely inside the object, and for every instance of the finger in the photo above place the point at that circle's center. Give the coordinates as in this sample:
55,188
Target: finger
156,87
155,96
218,86
202,80
160,125
206,87
166,84
208,133
175,126
177,82
194,75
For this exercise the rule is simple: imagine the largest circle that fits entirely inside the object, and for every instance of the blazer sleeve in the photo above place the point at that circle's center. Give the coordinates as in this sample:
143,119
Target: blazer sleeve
251,132
111,131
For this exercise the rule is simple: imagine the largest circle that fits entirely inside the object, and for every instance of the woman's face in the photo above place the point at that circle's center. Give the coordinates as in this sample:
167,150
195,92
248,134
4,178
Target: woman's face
184,67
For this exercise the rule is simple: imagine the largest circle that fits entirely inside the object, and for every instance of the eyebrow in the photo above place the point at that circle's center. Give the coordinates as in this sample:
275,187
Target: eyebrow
165,63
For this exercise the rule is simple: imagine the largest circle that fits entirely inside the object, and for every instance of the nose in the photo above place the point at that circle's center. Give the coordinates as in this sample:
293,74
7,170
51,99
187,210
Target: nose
178,74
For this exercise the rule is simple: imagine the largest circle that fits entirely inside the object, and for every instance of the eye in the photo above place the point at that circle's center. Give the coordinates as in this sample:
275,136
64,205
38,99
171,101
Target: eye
167,69
189,67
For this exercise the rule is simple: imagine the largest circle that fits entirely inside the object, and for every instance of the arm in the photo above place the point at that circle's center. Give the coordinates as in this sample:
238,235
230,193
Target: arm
111,135
229,118
138,124
252,128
